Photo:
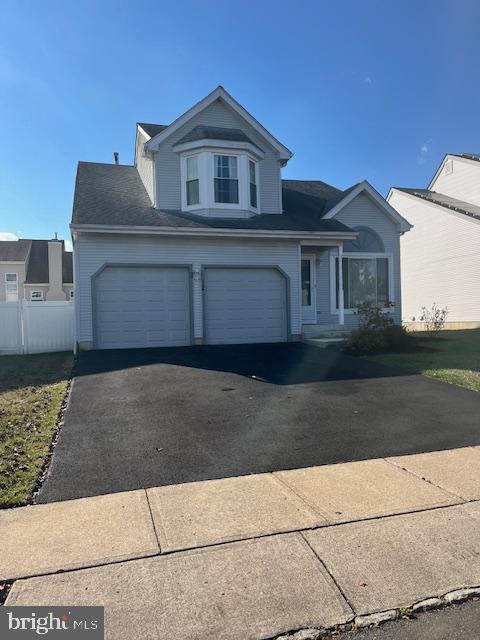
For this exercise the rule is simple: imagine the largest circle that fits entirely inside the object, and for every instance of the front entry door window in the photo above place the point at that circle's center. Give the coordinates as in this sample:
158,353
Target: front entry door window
308,289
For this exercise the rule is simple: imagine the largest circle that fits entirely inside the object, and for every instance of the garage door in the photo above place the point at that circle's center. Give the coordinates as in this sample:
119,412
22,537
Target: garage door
142,307
245,305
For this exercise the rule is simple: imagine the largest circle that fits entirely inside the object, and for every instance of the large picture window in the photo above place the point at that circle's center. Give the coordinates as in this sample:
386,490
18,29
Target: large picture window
226,179
365,279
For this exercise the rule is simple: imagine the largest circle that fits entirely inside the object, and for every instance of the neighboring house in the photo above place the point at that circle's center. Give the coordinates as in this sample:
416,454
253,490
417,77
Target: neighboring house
35,270
441,255
202,242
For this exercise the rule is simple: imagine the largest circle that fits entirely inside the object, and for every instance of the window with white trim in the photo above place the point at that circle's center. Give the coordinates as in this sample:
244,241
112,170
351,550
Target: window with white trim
226,179
365,279
252,174
11,287
36,295
192,181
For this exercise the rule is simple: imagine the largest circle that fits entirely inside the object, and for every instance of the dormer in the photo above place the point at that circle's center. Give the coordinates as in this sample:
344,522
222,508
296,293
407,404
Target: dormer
216,160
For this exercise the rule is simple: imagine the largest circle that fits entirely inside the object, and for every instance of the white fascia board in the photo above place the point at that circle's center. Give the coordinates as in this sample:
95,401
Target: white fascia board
366,187
143,132
230,233
221,145
219,92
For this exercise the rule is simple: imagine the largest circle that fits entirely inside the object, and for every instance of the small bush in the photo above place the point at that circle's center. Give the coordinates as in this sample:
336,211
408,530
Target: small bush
377,333
434,319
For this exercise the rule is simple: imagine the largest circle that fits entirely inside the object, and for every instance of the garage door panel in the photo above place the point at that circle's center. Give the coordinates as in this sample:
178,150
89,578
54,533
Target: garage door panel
142,307
245,305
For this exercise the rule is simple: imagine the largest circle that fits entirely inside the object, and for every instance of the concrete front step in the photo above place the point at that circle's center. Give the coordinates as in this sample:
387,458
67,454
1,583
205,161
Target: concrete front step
324,331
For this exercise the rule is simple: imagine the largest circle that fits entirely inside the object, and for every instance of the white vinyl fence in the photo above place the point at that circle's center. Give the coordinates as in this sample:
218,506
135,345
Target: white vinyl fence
36,327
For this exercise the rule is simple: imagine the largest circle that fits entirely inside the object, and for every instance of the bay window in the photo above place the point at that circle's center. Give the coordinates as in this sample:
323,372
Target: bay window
365,279
215,180
226,179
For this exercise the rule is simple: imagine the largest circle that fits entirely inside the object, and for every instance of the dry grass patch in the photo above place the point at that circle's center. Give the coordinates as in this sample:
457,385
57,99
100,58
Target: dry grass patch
32,389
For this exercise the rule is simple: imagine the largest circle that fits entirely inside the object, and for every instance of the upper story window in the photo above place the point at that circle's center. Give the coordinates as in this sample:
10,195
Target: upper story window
226,179
11,287
222,181
252,174
193,181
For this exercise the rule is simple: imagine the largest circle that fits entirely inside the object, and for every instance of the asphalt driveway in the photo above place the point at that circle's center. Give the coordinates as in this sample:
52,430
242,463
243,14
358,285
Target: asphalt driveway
142,418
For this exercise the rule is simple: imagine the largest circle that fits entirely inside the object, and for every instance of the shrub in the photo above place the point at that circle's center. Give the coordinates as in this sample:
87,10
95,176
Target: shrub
377,332
434,319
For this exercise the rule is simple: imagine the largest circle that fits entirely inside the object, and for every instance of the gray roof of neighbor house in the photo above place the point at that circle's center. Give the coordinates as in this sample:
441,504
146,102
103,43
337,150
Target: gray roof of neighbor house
152,129
202,132
109,194
441,199
35,255
14,250
469,156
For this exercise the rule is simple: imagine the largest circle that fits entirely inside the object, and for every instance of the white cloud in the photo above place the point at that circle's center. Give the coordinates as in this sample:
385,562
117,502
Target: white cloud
423,151
6,235
68,245
368,80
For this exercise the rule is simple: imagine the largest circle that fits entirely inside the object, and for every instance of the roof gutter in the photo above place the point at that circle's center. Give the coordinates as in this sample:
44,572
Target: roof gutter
331,236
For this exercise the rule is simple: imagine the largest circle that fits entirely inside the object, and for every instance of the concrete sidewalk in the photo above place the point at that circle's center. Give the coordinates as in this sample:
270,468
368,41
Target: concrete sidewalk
255,556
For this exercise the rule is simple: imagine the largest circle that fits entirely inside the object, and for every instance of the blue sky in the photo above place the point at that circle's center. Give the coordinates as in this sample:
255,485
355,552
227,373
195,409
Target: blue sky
357,90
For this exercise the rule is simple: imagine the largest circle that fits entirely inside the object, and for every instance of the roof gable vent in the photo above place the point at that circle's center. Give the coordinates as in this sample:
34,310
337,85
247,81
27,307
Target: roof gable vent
448,168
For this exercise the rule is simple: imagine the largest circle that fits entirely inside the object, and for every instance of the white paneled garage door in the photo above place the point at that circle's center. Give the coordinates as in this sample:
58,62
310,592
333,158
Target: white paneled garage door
142,307
245,305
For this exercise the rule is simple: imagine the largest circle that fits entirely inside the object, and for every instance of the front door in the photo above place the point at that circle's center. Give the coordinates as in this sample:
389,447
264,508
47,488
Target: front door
309,302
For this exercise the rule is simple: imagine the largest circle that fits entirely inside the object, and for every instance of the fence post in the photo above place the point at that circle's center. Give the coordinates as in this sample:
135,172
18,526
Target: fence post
23,328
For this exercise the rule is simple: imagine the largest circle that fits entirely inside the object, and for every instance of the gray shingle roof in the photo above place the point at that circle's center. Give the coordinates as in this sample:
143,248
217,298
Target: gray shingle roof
443,200
37,266
109,194
202,132
152,129
14,250
35,254
469,156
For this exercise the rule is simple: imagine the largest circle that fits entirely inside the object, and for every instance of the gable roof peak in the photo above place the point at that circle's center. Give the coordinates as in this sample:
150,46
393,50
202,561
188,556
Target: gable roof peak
220,92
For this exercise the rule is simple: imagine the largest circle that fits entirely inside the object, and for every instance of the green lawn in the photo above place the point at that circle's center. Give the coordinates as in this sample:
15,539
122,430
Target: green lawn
32,388
453,356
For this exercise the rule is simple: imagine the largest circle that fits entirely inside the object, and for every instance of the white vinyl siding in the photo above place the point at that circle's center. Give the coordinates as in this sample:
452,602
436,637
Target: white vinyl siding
360,212
440,260
463,182
167,168
94,250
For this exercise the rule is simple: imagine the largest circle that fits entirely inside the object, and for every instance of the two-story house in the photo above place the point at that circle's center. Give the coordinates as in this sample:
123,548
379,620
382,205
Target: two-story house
201,241
36,270
441,256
